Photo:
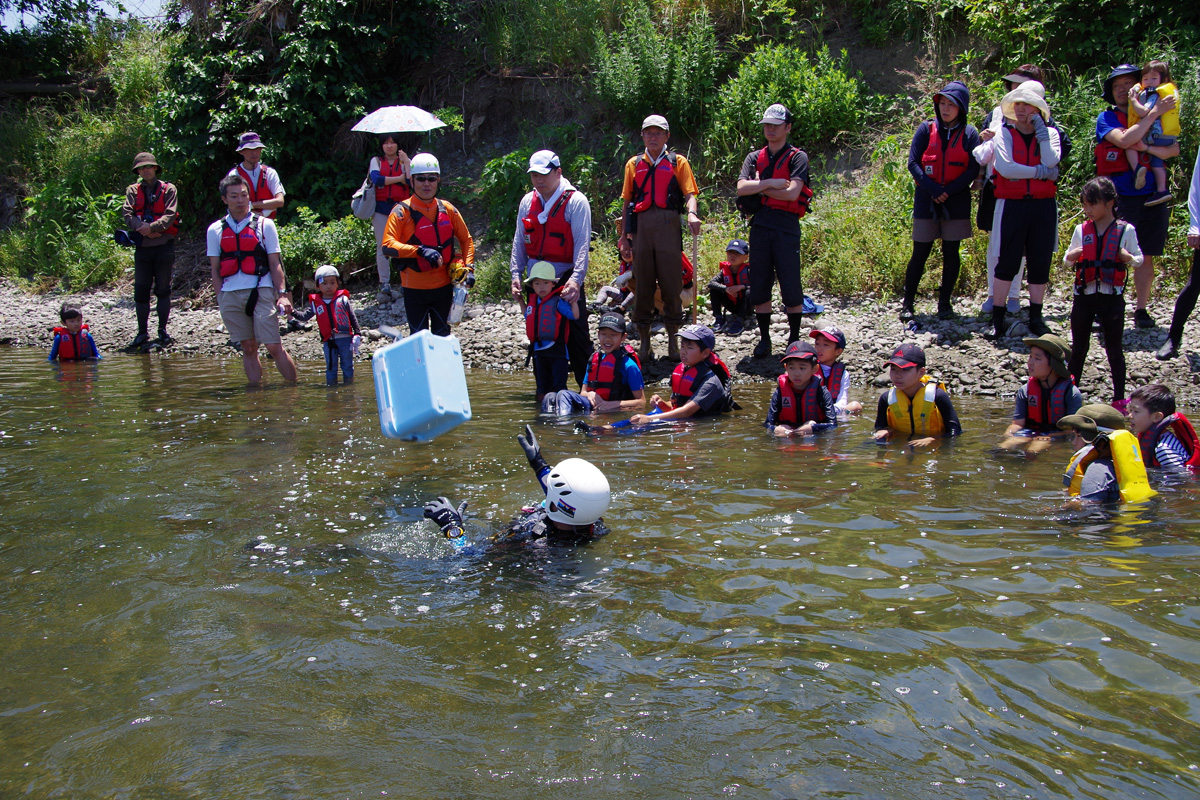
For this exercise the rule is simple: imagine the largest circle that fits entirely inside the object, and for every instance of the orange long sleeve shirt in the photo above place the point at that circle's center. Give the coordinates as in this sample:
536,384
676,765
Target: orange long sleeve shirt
399,231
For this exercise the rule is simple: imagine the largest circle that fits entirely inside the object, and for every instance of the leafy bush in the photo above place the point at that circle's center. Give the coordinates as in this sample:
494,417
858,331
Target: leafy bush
556,36
347,243
821,94
136,65
669,68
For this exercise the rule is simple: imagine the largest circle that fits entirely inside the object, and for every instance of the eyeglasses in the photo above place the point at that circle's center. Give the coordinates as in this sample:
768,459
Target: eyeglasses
425,178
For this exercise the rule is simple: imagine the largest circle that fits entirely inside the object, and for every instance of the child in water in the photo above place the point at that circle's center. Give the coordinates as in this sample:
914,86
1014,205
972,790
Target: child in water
546,316
829,343
1107,466
577,494
1047,397
700,385
72,340
1103,252
340,333
613,381
1167,438
801,405
728,292
1164,132
915,406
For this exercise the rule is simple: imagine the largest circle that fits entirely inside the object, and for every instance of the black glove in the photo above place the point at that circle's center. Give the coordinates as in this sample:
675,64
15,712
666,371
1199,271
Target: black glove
533,451
430,254
446,516
470,281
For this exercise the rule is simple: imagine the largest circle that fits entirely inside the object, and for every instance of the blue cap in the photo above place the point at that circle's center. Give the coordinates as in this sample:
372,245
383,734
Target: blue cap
1123,69
701,334
737,246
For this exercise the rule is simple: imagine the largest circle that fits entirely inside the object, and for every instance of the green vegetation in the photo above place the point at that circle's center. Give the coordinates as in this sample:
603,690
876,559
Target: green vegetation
298,73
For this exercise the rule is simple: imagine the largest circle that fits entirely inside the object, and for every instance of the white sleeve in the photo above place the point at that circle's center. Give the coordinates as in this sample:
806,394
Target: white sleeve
270,236
1130,242
842,400
1077,241
273,183
986,153
518,257
1052,158
581,233
375,164
1194,200
213,239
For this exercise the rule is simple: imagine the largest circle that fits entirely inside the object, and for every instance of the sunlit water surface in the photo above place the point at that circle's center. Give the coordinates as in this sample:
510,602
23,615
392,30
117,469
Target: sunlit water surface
765,619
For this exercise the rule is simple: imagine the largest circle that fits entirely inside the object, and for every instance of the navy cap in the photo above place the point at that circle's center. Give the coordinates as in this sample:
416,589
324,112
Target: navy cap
1123,69
737,246
831,333
801,350
612,321
907,355
699,333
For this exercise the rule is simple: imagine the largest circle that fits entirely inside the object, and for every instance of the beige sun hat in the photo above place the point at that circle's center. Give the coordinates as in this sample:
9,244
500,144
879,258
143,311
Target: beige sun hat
1030,92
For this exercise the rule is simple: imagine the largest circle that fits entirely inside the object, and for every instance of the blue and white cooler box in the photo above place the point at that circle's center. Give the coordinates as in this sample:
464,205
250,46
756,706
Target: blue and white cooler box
420,387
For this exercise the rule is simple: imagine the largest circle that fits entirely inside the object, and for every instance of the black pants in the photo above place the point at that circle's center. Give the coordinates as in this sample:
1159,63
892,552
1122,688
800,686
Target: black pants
1186,303
152,269
721,301
429,309
1109,311
951,263
579,345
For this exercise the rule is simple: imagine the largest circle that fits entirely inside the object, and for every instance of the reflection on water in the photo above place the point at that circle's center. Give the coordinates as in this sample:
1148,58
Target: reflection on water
215,592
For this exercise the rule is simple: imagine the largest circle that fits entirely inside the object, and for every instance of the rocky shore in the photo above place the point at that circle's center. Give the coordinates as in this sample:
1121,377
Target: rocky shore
493,337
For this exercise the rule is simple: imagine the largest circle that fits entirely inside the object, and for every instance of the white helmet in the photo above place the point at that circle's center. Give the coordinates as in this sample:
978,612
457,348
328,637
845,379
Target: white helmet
423,164
577,493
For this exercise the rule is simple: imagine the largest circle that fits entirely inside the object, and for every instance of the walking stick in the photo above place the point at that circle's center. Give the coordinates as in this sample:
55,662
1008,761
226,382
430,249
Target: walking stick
695,272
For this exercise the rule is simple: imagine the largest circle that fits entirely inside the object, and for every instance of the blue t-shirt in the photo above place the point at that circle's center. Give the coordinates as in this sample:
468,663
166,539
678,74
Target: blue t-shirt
632,375
1106,122
564,308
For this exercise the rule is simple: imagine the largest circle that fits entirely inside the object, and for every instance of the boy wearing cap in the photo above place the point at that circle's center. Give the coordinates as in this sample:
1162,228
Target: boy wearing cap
729,290
829,344
546,323
658,187
432,241
614,376
801,405
340,333
1107,466
266,190
700,384
915,406
151,213
554,224
1048,396
773,188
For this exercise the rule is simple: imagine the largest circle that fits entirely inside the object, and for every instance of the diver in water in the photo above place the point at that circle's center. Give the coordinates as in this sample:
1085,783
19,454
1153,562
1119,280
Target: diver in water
577,494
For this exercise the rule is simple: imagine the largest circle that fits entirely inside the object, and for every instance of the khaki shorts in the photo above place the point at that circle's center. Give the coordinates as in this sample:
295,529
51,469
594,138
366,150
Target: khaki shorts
265,325
949,230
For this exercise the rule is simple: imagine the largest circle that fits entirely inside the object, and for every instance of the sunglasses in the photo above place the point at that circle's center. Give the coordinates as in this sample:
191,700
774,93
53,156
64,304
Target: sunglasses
425,178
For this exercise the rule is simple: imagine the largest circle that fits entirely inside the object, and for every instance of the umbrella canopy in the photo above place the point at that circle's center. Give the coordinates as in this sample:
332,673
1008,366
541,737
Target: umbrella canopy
398,119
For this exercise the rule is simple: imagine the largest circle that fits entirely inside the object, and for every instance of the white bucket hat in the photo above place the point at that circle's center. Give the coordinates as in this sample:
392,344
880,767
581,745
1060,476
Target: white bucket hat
1030,92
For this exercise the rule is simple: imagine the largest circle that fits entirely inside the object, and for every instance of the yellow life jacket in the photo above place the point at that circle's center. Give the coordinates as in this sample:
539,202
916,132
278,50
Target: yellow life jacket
1127,464
918,416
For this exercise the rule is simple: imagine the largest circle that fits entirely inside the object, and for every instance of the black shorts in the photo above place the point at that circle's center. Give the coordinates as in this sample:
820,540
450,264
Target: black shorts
1029,229
774,255
1151,223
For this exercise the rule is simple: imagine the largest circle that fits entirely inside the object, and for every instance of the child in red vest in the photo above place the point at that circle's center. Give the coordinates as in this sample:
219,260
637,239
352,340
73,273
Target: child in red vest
801,405
729,291
1047,397
829,344
1168,439
72,341
340,333
1104,251
546,325
700,385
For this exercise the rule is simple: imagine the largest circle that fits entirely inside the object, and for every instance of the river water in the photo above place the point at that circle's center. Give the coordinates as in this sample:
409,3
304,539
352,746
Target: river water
214,592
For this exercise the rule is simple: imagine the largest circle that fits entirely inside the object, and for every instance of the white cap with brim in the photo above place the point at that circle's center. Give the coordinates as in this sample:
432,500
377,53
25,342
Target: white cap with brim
1030,92
776,114
543,162
656,121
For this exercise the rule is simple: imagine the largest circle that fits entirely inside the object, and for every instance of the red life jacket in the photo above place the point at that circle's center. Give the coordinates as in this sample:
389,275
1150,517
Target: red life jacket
1025,188
807,407
1045,408
945,163
739,278
779,167
1100,261
393,192
685,379
150,207
243,250
543,322
656,186
73,346
606,373
1110,159
439,235
332,316
1184,432
688,271
552,241
833,381
259,191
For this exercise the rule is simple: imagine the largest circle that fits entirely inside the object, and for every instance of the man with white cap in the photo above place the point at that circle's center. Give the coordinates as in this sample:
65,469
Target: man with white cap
554,224
658,187
773,190
266,190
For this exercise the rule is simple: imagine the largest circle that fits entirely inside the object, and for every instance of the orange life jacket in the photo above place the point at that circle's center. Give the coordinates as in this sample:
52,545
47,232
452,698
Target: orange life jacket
779,167
243,250
606,373
439,235
333,316
552,240
656,186
74,346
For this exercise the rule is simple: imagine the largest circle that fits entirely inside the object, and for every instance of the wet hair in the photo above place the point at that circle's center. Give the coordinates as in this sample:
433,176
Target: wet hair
69,311
232,180
1031,71
1164,72
1155,397
1098,190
